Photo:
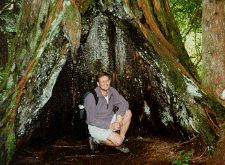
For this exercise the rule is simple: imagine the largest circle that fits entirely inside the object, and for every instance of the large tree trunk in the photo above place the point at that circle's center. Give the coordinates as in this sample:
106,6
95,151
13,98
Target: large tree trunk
213,46
138,42
213,53
45,32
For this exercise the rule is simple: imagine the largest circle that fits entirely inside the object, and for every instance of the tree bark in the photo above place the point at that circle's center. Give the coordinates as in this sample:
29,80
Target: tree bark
3,50
213,47
213,53
39,53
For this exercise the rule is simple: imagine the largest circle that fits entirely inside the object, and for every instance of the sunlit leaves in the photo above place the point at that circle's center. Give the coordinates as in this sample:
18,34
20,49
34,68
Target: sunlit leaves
187,14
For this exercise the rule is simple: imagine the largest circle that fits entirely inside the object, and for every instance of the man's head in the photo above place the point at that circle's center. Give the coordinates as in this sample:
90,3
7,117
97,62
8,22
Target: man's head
103,80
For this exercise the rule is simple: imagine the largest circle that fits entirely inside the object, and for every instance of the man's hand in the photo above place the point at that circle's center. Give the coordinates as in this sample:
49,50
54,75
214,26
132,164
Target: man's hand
119,119
115,126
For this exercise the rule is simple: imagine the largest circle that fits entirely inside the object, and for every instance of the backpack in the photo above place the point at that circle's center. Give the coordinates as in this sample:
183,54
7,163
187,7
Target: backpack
82,112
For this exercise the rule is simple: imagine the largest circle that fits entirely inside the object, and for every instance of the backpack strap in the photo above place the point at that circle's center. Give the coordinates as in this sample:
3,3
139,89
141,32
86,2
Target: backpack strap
95,96
82,112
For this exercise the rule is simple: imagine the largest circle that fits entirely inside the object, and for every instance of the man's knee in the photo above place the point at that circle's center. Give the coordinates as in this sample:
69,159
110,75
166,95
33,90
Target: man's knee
118,142
128,114
116,139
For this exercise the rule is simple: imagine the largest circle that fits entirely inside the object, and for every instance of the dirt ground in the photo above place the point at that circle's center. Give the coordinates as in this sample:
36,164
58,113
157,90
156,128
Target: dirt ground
151,150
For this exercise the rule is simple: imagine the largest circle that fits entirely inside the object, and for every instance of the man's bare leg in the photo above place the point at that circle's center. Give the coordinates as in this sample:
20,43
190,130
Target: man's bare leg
114,139
125,123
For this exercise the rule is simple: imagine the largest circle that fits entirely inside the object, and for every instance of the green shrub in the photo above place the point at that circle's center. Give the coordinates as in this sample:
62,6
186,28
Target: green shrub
185,158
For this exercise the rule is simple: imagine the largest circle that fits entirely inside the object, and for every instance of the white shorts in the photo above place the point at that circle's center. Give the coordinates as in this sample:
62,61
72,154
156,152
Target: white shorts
101,134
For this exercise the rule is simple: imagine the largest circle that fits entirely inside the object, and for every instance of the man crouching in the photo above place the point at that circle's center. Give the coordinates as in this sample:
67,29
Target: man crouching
109,120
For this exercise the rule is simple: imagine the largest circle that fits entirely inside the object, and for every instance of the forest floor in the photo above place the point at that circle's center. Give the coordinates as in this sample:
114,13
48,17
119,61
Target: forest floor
151,150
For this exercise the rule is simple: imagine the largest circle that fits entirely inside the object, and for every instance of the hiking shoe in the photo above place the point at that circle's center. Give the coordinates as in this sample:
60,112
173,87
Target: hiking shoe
93,145
122,148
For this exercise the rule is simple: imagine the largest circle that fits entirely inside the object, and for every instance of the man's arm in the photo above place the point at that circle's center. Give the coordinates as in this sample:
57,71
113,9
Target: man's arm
120,102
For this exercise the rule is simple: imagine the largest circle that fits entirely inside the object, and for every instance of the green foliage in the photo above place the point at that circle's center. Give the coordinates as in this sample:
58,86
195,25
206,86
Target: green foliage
185,158
193,47
188,16
91,1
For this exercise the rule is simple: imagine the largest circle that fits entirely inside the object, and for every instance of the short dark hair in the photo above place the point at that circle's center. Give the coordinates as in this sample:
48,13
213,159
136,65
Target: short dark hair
101,74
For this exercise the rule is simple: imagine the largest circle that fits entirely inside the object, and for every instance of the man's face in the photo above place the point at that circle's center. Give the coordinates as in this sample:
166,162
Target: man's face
104,83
